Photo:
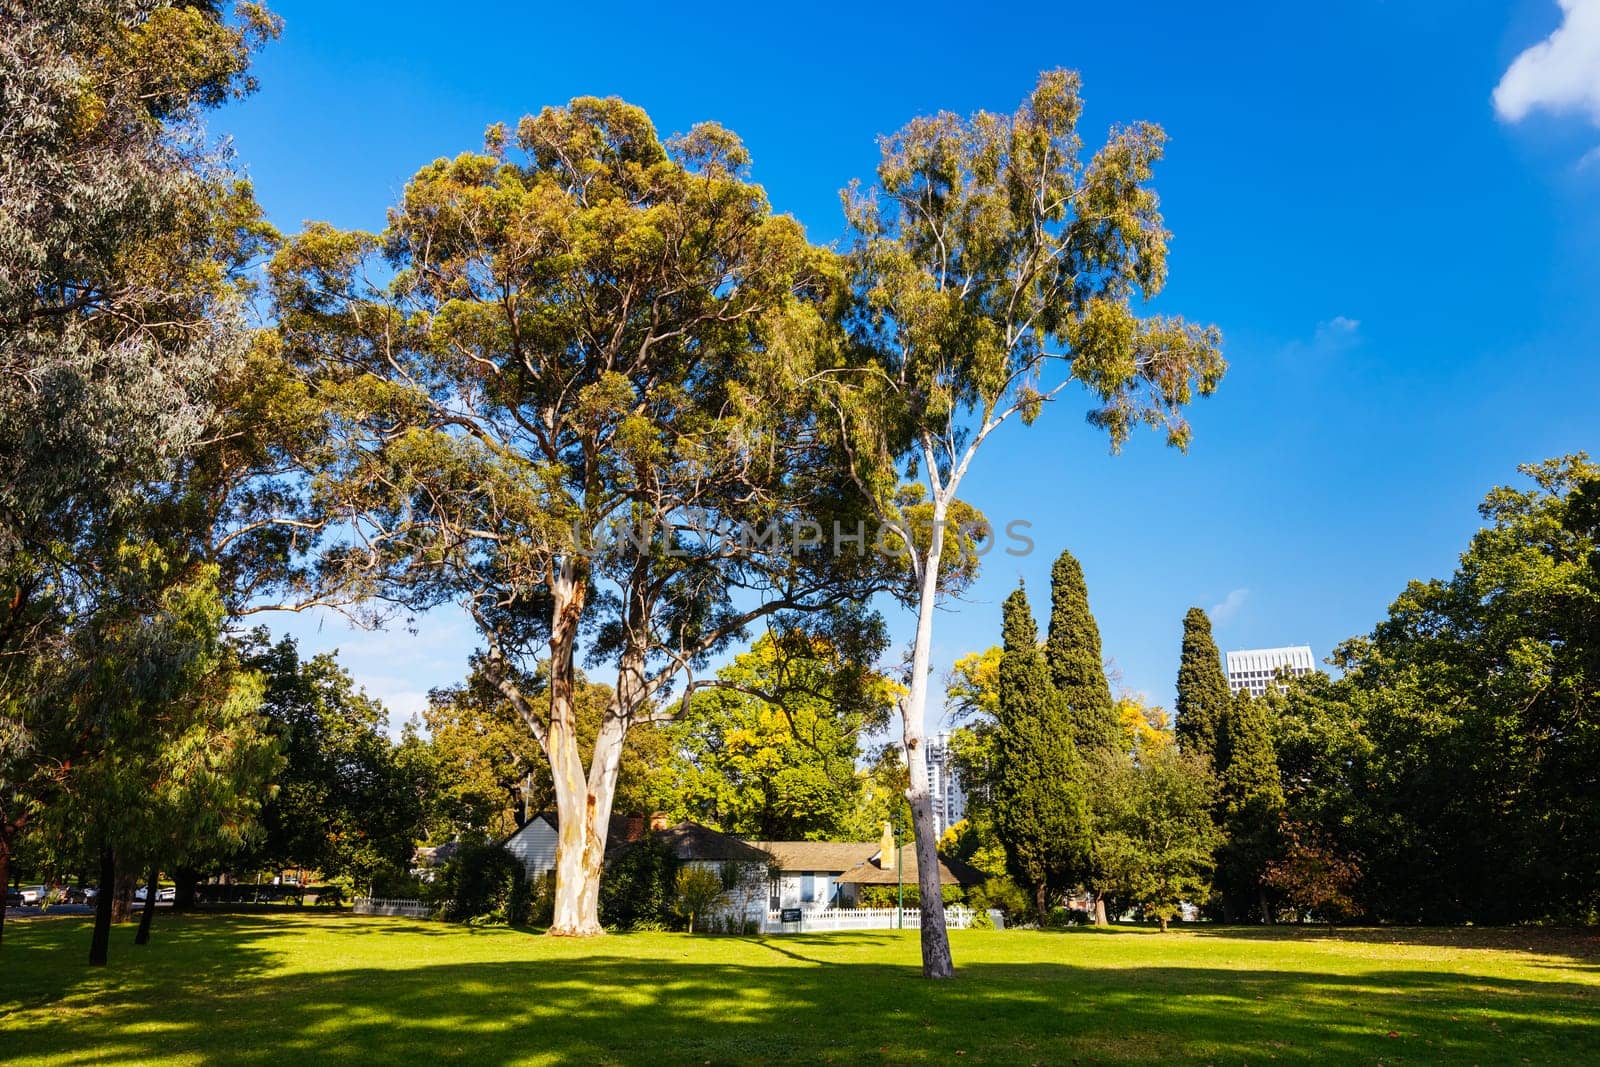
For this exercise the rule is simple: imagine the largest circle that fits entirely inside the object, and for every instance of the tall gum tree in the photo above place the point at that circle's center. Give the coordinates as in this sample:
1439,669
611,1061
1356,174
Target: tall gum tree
993,268
568,385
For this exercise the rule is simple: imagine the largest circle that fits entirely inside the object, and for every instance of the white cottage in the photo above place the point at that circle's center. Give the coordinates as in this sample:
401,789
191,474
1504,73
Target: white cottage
806,873
534,843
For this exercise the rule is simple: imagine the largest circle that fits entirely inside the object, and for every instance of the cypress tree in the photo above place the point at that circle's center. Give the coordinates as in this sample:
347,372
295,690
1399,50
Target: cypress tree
1041,813
1202,687
1251,795
1076,666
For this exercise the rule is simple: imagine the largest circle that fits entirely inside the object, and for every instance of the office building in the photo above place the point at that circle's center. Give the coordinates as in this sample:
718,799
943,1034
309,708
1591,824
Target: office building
1253,669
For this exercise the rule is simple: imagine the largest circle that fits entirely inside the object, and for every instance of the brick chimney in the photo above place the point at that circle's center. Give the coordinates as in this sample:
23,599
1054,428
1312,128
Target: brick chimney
889,857
658,820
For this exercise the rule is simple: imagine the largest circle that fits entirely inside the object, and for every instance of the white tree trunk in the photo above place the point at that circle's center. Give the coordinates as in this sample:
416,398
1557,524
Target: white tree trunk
577,889
936,961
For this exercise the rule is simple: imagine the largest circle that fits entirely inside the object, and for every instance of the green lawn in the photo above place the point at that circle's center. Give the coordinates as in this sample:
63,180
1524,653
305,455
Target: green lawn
317,989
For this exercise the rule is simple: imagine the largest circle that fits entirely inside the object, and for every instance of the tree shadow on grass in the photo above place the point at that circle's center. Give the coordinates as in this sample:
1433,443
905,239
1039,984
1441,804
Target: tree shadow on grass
226,1000
1575,943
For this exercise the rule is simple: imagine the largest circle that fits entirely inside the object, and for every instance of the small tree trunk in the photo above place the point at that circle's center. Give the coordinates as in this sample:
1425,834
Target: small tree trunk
1266,908
1040,902
1162,920
122,898
100,942
1100,910
143,936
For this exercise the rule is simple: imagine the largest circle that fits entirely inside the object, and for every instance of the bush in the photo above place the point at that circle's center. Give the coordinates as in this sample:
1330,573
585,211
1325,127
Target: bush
1061,918
393,885
887,896
483,884
1005,896
696,891
638,886
542,907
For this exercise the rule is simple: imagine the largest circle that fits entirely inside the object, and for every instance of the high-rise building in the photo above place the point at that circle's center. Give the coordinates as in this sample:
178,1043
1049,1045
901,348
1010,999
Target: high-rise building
1254,669
944,785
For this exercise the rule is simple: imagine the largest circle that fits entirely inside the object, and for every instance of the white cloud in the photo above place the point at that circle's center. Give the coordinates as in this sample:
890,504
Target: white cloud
1590,158
1225,612
1560,73
1338,330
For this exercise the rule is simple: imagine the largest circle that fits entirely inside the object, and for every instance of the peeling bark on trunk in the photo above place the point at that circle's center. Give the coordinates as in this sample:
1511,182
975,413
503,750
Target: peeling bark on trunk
936,961
100,943
579,854
1100,910
149,910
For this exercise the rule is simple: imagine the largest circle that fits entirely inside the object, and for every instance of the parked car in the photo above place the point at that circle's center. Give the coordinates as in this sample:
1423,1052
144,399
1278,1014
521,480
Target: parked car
13,897
80,894
32,895
164,895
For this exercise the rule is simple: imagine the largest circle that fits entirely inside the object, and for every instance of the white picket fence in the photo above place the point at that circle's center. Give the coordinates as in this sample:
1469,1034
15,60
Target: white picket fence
410,909
956,917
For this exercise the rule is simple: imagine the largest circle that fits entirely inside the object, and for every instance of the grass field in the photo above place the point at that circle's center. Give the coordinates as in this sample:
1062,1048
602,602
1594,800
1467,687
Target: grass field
325,989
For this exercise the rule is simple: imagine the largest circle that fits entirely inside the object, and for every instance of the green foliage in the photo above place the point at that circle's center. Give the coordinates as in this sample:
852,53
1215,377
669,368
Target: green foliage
587,341
888,896
1004,895
484,883
1041,813
695,891
1076,665
1251,806
487,766
1456,755
1155,834
174,755
1202,687
348,801
639,885
772,752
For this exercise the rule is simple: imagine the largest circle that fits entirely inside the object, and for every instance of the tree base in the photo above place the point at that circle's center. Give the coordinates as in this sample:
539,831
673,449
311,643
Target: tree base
576,931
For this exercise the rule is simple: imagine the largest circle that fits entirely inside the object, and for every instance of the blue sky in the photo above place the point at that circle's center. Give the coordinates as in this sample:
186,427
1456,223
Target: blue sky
1402,260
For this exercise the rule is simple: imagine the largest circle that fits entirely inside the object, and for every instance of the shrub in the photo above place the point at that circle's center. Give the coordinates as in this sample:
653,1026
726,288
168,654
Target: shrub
542,907
638,885
1061,918
887,896
695,892
484,884
1005,896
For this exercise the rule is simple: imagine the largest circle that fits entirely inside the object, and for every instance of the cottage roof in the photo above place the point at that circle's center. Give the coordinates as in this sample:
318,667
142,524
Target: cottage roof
691,841
872,872
833,856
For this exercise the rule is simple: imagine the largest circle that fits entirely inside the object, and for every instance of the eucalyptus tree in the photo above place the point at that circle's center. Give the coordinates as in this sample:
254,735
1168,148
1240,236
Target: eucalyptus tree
568,384
168,753
994,268
119,306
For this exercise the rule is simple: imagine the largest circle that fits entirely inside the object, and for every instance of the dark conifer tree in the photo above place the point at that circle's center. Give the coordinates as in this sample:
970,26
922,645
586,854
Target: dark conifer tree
1076,666
1202,687
1251,806
1041,812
